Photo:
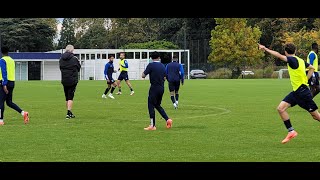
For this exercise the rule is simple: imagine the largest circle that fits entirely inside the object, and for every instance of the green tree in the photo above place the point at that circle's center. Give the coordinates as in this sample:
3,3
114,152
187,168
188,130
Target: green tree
67,34
316,24
151,45
26,34
274,29
234,44
52,22
82,25
133,30
303,40
95,37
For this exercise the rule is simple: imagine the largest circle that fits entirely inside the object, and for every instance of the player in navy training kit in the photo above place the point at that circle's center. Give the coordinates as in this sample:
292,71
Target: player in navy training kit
156,71
175,74
108,70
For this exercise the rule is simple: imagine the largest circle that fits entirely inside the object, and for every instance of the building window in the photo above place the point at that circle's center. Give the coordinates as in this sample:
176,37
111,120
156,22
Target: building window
98,56
137,55
93,56
82,56
109,55
128,55
144,55
104,56
87,56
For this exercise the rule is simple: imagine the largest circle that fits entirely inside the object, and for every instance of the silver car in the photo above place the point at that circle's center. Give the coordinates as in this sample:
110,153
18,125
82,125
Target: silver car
198,74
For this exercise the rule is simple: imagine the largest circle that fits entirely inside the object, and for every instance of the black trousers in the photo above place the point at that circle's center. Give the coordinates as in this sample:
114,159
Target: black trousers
8,99
154,102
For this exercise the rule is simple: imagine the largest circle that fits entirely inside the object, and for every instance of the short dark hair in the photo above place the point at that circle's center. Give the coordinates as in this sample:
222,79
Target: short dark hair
290,48
110,56
4,50
155,55
314,45
175,57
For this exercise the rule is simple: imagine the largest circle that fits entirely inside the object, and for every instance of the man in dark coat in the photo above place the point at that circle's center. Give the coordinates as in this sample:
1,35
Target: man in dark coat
69,67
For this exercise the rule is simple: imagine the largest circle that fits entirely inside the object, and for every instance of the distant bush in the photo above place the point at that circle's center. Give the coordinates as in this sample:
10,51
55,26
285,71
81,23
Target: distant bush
275,75
221,73
258,74
268,72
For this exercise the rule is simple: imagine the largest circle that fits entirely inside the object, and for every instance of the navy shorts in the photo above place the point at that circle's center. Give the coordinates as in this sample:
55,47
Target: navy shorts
313,81
111,81
174,86
302,96
123,76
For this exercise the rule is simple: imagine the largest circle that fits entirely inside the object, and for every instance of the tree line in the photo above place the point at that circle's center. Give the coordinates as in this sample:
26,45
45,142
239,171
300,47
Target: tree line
223,41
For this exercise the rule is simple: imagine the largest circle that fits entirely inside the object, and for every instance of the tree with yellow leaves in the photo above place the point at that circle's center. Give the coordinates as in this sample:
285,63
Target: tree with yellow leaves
234,44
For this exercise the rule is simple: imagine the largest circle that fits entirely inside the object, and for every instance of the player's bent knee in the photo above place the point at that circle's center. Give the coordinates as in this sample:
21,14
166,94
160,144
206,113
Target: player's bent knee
281,109
316,116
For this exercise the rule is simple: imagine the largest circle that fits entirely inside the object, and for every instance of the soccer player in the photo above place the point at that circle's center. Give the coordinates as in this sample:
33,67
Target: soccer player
313,60
123,74
69,67
301,94
175,74
108,70
157,73
7,81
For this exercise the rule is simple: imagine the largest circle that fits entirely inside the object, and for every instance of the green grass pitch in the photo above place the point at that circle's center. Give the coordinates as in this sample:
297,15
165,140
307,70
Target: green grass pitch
217,121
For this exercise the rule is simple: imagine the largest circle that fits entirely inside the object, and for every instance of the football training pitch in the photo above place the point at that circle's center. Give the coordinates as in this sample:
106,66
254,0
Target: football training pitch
217,120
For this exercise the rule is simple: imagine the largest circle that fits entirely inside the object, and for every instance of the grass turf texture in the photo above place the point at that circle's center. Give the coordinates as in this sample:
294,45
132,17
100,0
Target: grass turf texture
217,120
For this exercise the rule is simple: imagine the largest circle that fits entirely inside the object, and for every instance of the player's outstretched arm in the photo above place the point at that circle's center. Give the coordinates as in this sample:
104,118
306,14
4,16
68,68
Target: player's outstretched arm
272,52
310,71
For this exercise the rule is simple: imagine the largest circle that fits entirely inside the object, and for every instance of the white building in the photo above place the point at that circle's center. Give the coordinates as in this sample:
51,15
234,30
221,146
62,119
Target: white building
45,66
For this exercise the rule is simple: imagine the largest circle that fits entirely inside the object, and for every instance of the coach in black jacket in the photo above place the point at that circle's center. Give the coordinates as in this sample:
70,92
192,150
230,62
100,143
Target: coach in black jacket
69,67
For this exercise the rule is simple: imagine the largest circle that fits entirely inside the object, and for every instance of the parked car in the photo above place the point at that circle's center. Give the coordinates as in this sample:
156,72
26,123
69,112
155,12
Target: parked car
247,72
197,74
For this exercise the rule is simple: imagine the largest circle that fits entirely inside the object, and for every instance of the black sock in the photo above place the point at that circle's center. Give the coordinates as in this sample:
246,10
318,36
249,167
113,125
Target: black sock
106,91
69,112
288,125
177,97
172,99
131,89
119,89
112,89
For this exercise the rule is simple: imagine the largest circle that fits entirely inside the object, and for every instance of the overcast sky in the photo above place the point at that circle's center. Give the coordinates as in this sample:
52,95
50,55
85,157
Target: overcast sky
59,29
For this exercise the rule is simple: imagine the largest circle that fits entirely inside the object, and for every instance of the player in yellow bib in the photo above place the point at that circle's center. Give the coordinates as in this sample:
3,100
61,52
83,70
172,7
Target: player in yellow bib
7,83
301,94
123,68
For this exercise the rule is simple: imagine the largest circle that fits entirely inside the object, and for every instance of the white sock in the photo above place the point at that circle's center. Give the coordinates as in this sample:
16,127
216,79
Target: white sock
151,122
22,113
177,102
1,120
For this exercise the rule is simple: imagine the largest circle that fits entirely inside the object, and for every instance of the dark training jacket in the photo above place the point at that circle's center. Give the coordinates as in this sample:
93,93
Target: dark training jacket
69,67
